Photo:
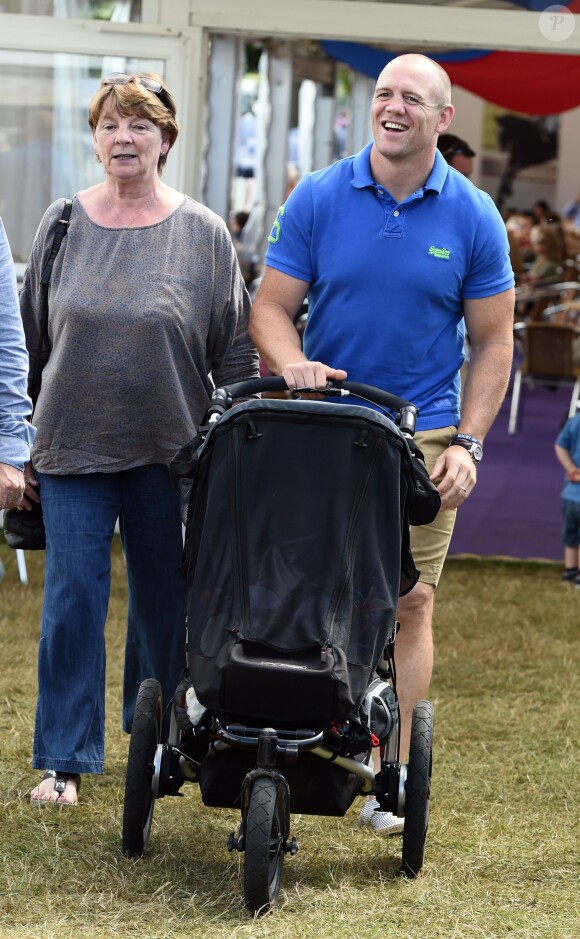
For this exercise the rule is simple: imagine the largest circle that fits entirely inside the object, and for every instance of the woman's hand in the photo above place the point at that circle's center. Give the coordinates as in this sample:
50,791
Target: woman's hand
31,494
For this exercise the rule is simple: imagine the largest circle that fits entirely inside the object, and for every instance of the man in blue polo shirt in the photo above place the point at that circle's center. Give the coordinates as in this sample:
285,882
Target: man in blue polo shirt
399,254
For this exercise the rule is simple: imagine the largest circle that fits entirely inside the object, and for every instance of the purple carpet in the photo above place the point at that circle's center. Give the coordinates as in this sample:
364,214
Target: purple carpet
515,509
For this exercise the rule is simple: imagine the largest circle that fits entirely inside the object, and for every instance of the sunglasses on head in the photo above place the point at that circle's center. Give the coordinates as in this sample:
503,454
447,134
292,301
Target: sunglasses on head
119,78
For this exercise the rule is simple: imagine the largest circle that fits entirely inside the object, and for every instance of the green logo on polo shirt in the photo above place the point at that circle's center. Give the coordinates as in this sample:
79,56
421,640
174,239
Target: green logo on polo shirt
274,236
444,253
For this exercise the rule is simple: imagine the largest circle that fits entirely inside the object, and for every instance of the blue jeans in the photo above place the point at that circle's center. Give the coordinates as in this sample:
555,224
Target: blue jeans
80,513
571,523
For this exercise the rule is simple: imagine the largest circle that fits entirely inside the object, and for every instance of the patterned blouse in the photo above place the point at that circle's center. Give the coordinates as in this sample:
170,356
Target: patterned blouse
142,323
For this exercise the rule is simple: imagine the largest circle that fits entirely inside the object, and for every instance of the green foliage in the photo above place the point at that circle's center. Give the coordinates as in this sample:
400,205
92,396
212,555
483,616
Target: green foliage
501,849
101,9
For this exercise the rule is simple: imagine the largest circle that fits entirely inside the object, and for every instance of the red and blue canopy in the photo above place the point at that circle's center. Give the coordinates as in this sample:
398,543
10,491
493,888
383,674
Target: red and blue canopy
529,82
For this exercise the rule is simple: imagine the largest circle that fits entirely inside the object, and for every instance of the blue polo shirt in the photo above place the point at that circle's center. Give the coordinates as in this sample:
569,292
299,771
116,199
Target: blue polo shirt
569,439
388,280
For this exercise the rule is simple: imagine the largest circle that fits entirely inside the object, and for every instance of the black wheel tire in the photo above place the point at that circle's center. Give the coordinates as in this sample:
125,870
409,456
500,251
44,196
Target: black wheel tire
418,789
263,847
139,798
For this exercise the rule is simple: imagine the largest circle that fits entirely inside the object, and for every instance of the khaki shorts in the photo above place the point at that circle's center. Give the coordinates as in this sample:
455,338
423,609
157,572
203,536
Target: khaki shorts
430,543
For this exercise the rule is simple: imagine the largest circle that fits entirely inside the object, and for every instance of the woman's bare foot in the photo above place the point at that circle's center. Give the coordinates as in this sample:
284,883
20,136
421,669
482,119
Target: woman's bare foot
56,788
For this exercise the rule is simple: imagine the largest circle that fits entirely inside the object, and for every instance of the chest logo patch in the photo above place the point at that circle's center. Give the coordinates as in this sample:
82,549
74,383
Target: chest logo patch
443,253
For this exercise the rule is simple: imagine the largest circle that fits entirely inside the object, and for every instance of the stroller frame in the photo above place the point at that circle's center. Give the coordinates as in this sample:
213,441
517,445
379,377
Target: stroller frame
160,762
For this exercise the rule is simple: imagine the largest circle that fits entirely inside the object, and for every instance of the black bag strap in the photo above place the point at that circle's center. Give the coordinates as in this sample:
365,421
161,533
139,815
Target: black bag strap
59,233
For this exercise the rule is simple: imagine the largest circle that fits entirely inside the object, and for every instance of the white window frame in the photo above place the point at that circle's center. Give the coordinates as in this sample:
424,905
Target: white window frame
184,52
421,26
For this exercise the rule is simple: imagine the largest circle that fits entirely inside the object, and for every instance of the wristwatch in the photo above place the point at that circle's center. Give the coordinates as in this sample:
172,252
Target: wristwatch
473,446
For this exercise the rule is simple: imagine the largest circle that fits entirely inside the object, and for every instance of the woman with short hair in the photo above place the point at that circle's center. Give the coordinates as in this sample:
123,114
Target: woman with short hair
147,308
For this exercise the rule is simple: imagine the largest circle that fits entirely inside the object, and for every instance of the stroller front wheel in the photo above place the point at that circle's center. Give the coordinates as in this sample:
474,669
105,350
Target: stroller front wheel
139,798
264,846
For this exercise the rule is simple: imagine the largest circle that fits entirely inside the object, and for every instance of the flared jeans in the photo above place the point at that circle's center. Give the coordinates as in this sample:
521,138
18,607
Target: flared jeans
80,513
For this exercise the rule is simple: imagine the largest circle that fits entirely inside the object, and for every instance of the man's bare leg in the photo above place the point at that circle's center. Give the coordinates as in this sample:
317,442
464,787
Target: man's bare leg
414,664
413,655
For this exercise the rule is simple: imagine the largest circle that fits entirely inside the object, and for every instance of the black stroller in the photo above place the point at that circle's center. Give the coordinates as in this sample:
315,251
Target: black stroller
297,520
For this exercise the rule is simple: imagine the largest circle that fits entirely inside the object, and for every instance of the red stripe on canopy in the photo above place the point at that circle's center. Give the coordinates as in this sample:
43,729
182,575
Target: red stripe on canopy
530,82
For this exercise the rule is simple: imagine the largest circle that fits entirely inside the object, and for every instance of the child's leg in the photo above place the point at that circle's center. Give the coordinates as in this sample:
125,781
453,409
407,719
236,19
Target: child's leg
570,530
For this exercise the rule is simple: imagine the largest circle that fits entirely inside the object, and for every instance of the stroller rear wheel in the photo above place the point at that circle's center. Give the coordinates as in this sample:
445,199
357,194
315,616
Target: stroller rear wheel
139,797
263,846
418,789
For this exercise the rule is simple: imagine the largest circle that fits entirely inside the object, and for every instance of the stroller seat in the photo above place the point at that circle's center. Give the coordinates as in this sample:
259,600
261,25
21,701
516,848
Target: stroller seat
297,550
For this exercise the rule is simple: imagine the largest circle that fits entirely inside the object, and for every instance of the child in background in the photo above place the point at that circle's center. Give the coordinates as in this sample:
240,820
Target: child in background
567,449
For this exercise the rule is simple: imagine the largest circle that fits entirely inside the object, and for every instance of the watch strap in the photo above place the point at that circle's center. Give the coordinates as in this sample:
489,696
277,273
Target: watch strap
473,446
457,438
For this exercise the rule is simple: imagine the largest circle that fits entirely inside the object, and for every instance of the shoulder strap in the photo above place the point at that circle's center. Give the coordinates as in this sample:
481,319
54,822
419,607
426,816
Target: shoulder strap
59,233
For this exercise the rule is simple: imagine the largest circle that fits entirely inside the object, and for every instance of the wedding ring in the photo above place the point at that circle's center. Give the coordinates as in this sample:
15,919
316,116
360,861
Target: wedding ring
463,489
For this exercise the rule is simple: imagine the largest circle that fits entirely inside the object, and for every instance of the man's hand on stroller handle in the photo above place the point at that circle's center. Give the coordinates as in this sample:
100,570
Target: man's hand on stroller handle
319,382
307,374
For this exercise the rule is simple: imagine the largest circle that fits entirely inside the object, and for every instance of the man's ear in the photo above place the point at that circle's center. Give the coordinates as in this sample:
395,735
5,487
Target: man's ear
445,118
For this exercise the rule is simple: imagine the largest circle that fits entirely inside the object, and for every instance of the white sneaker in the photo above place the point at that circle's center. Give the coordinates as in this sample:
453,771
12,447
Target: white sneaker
367,811
384,823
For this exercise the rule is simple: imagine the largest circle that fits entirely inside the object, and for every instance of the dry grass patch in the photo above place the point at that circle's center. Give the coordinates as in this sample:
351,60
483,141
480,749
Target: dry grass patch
501,851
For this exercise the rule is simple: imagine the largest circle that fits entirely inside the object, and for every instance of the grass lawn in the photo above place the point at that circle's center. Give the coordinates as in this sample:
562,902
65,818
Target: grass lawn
502,848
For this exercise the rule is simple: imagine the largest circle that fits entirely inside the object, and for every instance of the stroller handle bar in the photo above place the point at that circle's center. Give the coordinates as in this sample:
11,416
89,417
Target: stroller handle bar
222,398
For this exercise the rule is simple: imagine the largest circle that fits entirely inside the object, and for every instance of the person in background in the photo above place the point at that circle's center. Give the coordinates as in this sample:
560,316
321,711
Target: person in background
567,449
558,228
417,255
515,256
16,433
457,152
571,211
541,212
549,254
510,212
519,226
146,300
237,223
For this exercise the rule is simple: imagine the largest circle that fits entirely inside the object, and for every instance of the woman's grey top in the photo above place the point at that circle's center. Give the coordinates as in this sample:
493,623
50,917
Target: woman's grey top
138,319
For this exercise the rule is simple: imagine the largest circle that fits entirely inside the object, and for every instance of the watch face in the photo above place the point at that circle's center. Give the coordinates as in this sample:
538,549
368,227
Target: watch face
473,446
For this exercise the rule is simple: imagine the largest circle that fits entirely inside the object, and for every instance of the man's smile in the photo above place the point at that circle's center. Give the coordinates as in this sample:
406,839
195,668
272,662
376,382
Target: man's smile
393,125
